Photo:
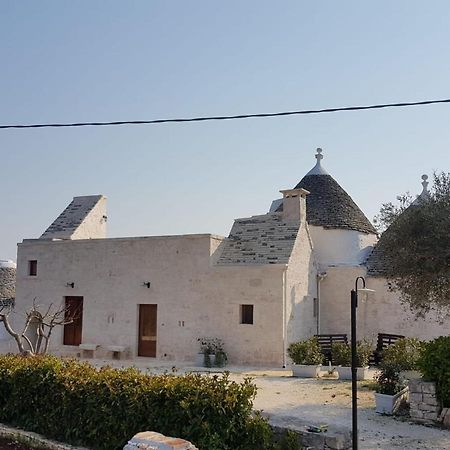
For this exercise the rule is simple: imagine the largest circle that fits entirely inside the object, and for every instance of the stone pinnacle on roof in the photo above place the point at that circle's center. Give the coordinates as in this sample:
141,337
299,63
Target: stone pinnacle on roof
318,169
425,194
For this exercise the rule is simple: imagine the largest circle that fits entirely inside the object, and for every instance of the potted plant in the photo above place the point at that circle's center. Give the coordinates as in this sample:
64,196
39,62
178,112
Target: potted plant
405,353
341,355
390,389
212,353
307,358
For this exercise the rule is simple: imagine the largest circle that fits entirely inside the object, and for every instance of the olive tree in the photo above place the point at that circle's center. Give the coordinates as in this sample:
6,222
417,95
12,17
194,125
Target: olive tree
34,335
415,243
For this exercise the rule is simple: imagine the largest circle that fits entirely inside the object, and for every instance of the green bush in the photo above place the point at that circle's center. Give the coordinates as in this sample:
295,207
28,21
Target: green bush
341,354
73,402
306,352
434,363
388,380
404,353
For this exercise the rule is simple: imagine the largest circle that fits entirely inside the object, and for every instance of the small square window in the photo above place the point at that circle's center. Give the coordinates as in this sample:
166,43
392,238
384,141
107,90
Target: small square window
32,268
247,314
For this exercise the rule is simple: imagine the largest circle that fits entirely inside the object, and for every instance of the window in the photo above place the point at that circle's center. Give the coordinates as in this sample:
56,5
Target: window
32,268
247,314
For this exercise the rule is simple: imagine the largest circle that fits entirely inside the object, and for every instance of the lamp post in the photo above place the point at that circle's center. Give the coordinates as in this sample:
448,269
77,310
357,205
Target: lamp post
354,305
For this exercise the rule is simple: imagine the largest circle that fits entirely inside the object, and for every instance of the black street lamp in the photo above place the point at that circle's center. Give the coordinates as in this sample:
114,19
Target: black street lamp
354,305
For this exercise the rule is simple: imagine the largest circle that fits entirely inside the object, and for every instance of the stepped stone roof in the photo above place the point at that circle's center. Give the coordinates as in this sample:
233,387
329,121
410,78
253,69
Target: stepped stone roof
7,282
266,239
71,218
328,205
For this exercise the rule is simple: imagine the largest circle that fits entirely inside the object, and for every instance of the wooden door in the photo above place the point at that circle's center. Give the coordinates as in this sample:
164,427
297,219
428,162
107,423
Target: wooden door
147,330
73,312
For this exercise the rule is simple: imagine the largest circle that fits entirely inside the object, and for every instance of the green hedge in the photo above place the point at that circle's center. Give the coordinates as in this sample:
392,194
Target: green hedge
434,363
73,402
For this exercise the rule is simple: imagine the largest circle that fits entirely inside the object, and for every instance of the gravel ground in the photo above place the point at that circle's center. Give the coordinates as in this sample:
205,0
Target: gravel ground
325,401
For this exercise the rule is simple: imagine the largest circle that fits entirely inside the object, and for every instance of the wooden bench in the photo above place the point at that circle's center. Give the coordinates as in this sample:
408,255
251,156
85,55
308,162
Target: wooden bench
327,340
117,350
88,350
384,340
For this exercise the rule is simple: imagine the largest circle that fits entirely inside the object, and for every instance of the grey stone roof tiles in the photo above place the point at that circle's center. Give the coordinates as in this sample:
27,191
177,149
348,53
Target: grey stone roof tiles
265,239
377,263
71,218
7,282
329,206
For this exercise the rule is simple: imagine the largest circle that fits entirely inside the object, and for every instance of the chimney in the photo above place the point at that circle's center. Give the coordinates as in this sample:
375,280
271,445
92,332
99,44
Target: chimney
294,205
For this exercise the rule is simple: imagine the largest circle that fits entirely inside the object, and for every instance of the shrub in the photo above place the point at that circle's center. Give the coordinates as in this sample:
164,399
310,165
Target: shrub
404,353
101,409
306,352
434,363
341,354
388,380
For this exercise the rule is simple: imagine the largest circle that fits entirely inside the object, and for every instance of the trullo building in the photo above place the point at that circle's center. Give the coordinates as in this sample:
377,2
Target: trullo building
277,278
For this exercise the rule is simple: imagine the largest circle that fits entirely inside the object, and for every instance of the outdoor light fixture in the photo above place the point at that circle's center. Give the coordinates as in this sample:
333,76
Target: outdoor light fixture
146,283
354,305
71,284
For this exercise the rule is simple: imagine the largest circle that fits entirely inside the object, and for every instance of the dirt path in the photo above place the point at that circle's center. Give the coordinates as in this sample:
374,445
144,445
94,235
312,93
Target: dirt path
322,401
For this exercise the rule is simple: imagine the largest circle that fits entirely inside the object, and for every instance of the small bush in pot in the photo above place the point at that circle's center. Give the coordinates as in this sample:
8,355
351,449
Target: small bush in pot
306,352
213,352
342,354
404,353
388,381
390,389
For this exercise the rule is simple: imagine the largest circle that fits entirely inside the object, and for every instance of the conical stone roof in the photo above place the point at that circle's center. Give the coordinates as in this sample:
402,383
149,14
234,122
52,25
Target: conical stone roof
378,262
328,205
7,279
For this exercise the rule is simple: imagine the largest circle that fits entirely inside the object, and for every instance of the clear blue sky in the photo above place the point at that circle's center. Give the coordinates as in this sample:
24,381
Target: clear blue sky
97,60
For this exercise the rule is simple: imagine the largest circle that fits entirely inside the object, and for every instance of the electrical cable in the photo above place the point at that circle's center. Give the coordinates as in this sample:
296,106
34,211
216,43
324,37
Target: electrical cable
240,116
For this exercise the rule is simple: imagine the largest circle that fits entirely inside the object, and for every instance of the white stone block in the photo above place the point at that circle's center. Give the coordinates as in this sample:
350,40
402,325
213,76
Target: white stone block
150,440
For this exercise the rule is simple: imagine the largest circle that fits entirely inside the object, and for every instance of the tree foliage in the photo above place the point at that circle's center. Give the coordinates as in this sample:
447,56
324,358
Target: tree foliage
415,244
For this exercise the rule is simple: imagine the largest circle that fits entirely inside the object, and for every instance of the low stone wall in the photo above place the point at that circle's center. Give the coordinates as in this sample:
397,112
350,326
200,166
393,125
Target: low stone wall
335,438
424,405
33,439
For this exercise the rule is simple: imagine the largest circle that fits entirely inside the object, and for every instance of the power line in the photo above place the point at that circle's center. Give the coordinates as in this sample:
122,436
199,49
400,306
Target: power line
240,116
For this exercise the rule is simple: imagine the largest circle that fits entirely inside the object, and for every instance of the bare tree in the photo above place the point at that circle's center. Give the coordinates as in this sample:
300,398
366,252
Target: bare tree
43,325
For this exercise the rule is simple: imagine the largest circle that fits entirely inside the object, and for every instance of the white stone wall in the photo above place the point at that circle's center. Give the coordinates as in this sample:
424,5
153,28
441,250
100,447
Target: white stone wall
194,297
333,247
301,289
382,312
93,225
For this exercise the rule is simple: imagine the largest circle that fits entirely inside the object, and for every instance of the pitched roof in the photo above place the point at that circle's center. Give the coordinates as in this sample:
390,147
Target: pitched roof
265,239
72,217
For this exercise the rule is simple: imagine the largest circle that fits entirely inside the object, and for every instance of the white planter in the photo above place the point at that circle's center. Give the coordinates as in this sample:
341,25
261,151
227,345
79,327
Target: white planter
200,360
388,404
305,371
345,373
